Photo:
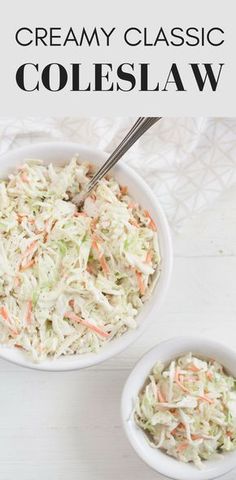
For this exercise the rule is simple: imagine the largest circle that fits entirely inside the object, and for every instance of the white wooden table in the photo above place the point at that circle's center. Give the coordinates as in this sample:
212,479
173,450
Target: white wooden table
67,425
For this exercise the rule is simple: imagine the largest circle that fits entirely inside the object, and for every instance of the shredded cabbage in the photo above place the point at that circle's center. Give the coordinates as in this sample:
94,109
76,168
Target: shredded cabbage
71,281
189,409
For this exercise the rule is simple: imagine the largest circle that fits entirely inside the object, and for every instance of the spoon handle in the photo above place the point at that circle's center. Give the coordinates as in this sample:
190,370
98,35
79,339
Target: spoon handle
138,129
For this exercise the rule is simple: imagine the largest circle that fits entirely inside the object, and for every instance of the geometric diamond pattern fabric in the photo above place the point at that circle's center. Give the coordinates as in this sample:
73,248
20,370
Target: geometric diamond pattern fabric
188,162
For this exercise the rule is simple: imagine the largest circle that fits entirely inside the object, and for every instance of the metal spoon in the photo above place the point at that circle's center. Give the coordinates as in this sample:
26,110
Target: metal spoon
138,129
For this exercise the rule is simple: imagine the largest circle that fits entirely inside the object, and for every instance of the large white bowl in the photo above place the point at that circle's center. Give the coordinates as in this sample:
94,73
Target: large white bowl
60,153
157,459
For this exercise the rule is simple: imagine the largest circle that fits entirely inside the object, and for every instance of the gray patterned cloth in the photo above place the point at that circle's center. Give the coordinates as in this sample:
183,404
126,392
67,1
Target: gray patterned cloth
188,162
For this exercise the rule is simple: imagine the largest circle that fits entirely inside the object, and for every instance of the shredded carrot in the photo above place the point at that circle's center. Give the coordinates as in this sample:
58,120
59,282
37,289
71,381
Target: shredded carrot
182,446
183,387
75,318
24,177
3,313
124,190
30,249
45,238
91,269
46,231
134,222
149,256
72,303
27,265
13,333
141,285
101,257
193,368
209,375
46,226
20,217
132,205
95,245
80,214
97,238
29,315
161,397
205,399
16,282
53,224
37,231
196,437
152,224
179,383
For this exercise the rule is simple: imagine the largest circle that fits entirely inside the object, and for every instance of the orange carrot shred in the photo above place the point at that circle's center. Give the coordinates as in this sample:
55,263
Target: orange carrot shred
97,238
141,285
161,397
3,313
95,245
75,318
134,222
152,224
180,385
24,177
13,333
30,249
124,189
27,265
131,205
16,282
80,214
90,269
28,317
205,398
193,368
182,446
196,436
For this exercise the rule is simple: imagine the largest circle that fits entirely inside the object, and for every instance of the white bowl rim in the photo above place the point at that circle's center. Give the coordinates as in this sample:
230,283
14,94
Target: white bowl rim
162,463
75,362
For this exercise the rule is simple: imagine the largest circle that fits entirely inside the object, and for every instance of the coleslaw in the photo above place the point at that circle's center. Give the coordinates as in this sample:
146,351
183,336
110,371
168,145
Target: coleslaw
71,281
189,409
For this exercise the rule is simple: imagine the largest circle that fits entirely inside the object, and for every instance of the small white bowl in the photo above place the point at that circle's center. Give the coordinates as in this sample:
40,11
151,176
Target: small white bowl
60,153
157,459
